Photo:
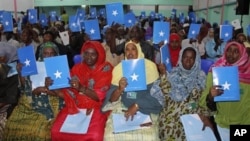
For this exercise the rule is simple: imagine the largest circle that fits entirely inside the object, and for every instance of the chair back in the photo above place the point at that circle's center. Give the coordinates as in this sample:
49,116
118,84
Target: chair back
77,59
206,64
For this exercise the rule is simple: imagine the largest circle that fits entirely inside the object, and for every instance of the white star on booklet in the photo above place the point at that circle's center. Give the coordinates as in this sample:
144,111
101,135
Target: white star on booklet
73,24
31,16
43,21
6,23
80,15
92,31
58,74
226,86
226,34
193,32
129,21
161,33
27,62
167,60
114,12
134,77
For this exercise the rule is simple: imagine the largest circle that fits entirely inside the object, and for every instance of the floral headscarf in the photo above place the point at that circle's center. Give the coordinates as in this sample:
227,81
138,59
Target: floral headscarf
183,81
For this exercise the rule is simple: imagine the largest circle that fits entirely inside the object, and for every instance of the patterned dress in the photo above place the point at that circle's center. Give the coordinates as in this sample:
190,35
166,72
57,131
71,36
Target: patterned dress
32,118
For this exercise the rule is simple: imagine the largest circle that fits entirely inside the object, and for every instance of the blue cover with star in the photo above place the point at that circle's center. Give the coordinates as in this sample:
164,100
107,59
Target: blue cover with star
165,57
114,13
134,71
161,32
194,31
32,16
226,32
228,78
58,70
92,29
26,56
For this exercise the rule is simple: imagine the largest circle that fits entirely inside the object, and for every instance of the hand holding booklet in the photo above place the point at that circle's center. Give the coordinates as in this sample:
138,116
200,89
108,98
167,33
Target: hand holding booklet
121,125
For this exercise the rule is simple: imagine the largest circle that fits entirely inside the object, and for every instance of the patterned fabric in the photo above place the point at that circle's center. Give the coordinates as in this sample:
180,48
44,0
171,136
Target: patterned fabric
184,81
26,124
146,134
170,126
182,90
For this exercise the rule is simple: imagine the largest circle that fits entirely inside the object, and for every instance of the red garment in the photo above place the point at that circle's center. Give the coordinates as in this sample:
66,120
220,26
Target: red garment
174,53
98,79
243,63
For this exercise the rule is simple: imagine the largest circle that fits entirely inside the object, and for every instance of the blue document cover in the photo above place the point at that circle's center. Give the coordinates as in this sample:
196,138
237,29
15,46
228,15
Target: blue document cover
43,20
7,21
121,125
192,17
80,13
194,31
192,125
226,32
228,78
161,32
114,13
92,13
77,123
165,57
134,71
38,79
58,70
26,57
32,16
74,24
92,29
53,16
129,19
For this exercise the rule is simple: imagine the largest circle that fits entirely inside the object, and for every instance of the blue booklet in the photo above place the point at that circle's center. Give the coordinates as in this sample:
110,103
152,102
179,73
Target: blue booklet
165,57
58,70
114,13
226,32
26,56
228,78
92,29
194,31
192,125
134,71
161,32
77,123
121,125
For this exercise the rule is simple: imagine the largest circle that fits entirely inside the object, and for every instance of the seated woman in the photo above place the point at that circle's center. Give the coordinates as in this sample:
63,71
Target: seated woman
147,101
90,81
182,88
235,55
33,116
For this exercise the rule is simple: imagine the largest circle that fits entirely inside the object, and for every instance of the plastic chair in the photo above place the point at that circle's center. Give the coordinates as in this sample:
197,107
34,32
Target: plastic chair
77,59
206,64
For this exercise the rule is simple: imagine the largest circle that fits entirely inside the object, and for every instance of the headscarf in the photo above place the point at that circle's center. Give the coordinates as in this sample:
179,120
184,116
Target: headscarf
150,67
183,81
8,51
97,78
243,63
174,53
47,45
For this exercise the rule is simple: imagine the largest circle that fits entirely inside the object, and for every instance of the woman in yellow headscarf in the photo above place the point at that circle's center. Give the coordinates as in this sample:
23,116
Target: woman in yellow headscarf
147,101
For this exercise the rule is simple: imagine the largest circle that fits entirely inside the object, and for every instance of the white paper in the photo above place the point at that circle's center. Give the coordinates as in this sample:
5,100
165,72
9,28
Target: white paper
38,80
65,37
77,123
121,125
193,129
236,24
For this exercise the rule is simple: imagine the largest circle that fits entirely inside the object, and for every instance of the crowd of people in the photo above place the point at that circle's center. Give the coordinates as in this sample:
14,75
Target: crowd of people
97,83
